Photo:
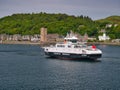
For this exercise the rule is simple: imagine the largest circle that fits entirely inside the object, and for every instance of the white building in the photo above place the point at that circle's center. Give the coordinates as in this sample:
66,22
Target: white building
103,37
108,25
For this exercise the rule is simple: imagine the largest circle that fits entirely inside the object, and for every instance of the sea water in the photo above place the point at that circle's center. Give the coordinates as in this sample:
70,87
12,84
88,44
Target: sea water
25,67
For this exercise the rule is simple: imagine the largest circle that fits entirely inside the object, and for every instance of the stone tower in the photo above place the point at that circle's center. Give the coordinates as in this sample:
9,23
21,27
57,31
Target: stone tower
43,34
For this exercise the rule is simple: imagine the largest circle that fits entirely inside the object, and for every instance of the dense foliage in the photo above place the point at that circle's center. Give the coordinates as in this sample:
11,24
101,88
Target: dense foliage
55,23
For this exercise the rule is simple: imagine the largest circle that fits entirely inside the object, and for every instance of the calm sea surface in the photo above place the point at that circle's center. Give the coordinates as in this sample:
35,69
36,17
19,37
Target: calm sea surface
24,67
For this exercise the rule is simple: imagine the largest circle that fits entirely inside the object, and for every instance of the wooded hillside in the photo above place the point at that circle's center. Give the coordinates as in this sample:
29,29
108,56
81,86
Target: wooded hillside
56,23
114,30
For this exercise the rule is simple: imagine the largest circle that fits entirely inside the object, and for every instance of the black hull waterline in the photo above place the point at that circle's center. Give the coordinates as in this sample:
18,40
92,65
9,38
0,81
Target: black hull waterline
73,56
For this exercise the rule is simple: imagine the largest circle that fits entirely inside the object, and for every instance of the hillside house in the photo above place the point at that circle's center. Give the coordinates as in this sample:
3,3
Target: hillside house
104,37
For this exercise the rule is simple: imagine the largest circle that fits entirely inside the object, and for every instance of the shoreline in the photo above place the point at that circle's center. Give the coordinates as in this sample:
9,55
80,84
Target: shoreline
28,43
49,43
104,43
20,42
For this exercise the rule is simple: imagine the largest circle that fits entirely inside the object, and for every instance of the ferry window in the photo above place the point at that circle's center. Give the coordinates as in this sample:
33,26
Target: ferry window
60,46
63,46
69,46
77,46
84,46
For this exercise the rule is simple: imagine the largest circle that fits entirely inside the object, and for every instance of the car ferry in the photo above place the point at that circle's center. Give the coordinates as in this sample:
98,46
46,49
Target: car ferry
71,48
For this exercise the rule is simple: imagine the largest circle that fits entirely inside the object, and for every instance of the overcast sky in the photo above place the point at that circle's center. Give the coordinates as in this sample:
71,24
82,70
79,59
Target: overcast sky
95,9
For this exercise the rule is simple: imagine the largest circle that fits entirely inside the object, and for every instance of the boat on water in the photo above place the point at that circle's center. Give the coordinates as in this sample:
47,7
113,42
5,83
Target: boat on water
71,48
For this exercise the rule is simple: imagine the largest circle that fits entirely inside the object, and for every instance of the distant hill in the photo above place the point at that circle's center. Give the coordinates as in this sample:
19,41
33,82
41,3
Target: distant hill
110,19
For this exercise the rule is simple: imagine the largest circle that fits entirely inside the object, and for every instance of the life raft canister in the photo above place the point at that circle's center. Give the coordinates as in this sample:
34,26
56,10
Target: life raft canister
93,47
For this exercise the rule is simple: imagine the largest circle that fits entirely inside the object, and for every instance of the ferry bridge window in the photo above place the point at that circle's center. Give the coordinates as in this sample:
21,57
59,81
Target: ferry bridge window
73,41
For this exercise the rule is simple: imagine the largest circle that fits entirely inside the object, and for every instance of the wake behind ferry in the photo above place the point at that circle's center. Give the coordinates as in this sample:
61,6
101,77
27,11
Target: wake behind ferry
71,48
